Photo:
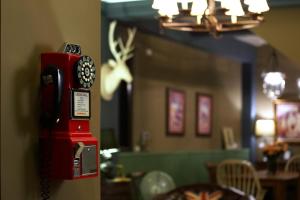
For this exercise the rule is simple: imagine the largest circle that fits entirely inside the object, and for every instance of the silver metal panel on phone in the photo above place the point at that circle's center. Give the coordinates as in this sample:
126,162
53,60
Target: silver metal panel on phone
76,167
89,160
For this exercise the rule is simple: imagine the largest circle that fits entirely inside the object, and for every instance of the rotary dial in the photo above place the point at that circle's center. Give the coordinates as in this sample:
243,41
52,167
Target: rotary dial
86,71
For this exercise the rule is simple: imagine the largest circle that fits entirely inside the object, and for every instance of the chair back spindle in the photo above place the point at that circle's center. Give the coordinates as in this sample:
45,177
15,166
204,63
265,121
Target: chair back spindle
293,164
240,175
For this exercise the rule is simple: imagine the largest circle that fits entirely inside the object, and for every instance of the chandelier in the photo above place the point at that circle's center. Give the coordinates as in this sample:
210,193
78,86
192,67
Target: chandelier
210,15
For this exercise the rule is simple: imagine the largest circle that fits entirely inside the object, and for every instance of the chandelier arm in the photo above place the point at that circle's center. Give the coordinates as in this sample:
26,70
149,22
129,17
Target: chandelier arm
273,62
212,7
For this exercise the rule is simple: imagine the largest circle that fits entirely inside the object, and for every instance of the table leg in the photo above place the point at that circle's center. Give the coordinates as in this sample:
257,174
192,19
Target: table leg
280,191
298,189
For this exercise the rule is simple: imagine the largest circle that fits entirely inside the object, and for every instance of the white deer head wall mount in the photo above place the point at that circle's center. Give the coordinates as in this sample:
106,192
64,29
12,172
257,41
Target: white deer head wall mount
116,70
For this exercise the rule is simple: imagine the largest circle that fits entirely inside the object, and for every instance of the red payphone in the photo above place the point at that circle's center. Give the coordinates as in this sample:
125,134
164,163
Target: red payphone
70,150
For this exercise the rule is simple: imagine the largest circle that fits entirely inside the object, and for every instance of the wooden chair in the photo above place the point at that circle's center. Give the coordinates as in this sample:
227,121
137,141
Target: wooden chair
293,164
241,175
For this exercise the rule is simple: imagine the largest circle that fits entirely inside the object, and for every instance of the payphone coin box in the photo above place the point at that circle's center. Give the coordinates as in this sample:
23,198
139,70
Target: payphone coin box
73,149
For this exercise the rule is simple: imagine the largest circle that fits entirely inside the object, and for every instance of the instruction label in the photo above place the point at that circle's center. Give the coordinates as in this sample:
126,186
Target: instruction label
81,103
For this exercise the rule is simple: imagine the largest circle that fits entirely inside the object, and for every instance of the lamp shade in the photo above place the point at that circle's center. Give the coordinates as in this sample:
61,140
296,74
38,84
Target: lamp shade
168,8
235,8
156,4
199,7
258,6
265,127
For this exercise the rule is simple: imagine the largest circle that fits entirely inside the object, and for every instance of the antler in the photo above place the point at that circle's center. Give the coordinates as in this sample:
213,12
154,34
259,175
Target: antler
125,50
113,44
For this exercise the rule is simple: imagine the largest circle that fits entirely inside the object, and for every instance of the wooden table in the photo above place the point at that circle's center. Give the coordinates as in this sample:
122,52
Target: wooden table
179,192
279,183
116,190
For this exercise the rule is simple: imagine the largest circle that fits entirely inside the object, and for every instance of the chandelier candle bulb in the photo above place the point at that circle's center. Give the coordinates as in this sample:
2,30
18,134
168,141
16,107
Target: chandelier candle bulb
199,17
234,19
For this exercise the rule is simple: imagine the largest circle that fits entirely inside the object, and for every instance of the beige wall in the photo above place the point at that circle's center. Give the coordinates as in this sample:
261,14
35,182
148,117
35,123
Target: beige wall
281,29
27,29
189,70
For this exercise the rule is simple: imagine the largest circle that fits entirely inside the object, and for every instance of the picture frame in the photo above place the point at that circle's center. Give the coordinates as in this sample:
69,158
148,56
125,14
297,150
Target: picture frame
204,108
287,119
176,105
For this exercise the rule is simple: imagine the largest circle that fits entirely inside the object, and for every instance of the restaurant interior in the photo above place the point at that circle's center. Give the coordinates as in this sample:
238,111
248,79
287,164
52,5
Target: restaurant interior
197,117
150,99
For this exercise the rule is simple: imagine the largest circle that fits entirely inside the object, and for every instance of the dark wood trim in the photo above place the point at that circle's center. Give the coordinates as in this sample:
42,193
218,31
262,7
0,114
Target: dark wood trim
169,133
198,94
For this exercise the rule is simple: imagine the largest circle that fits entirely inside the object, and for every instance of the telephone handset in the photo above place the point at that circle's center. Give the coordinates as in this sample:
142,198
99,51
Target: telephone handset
53,78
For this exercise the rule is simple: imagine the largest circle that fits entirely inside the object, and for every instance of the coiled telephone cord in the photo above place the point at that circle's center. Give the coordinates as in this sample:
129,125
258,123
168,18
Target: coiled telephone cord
45,167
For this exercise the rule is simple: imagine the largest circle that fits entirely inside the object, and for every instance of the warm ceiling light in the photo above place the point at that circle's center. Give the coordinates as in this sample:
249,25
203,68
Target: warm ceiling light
273,80
210,15
274,84
265,127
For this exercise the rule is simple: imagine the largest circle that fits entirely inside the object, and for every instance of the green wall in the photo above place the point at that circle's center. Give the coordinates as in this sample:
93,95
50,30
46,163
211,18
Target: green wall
185,167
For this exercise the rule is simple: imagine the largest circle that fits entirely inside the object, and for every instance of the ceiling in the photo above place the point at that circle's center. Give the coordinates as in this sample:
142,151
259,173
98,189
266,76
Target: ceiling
185,64
240,46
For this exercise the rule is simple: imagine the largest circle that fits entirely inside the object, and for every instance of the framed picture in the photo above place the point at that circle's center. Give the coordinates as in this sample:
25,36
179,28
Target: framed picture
204,105
287,120
175,112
